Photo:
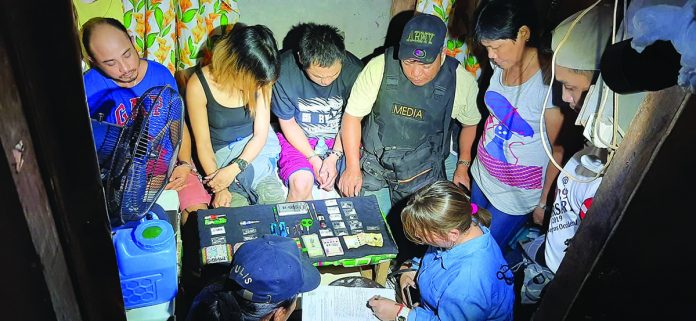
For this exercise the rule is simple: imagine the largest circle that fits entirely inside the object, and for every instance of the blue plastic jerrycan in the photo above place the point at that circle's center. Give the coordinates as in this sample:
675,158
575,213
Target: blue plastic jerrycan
146,256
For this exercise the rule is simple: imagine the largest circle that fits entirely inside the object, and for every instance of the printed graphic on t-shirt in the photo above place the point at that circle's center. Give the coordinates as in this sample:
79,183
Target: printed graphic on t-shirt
585,207
122,113
116,104
320,117
562,216
509,128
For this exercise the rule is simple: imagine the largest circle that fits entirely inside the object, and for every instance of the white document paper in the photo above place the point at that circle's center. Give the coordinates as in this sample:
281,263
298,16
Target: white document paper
339,303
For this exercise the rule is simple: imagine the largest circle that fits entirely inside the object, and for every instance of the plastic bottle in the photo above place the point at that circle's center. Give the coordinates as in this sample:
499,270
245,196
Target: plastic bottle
146,257
321,148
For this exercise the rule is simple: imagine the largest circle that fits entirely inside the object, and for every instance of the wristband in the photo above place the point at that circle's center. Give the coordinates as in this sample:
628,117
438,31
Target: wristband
242,164
313,155
541,206
402,314
466,163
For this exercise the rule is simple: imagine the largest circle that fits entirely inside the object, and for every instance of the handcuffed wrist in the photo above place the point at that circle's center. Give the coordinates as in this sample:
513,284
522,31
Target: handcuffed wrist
338,153
184,163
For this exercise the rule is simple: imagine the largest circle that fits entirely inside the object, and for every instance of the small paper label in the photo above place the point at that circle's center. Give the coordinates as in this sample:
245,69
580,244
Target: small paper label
333,210
217,230
325,233
249,237
347,205
354,225
335,217
338,224
217,240
249,231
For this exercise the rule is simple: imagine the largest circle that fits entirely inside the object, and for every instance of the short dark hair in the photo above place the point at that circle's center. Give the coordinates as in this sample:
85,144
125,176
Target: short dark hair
215,303
502,19
220,301
322,45
254,311
91,24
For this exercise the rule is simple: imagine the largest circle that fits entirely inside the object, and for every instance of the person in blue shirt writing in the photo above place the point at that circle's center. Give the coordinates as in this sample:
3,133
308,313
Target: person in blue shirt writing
463,275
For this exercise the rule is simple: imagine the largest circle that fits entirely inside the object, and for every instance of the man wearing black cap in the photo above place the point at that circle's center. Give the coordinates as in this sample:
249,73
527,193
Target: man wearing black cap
265,278
410,95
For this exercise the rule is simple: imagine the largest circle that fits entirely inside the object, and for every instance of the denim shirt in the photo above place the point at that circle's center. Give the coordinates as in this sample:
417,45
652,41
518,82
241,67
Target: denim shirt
470,281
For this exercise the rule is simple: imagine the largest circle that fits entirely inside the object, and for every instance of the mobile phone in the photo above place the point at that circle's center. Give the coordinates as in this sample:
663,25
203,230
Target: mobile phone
412,296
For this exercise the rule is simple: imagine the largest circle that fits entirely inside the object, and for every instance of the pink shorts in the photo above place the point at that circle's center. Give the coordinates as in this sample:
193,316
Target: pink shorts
193,193
291,160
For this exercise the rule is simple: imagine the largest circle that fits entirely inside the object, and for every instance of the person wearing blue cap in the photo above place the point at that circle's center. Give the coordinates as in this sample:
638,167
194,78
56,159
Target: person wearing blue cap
410,96
265,277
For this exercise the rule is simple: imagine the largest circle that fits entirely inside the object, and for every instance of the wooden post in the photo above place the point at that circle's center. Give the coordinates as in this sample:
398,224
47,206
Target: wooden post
59,204
34,269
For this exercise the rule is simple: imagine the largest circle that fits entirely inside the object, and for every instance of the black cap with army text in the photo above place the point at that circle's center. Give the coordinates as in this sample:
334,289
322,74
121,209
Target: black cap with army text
423,38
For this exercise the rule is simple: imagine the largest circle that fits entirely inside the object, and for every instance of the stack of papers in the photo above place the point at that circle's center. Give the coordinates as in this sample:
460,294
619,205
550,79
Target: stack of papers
339,303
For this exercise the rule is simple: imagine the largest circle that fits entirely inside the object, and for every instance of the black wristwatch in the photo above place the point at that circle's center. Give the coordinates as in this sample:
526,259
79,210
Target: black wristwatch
241,163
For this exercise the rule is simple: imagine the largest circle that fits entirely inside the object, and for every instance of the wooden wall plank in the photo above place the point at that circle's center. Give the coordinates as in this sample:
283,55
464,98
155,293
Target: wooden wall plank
29,218
44,59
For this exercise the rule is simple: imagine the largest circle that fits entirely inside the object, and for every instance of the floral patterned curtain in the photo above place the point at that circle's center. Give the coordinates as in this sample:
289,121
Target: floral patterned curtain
176,33
455,47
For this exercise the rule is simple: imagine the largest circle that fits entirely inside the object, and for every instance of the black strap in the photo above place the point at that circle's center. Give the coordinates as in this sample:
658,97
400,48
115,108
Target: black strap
441,88
398,272
204,83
